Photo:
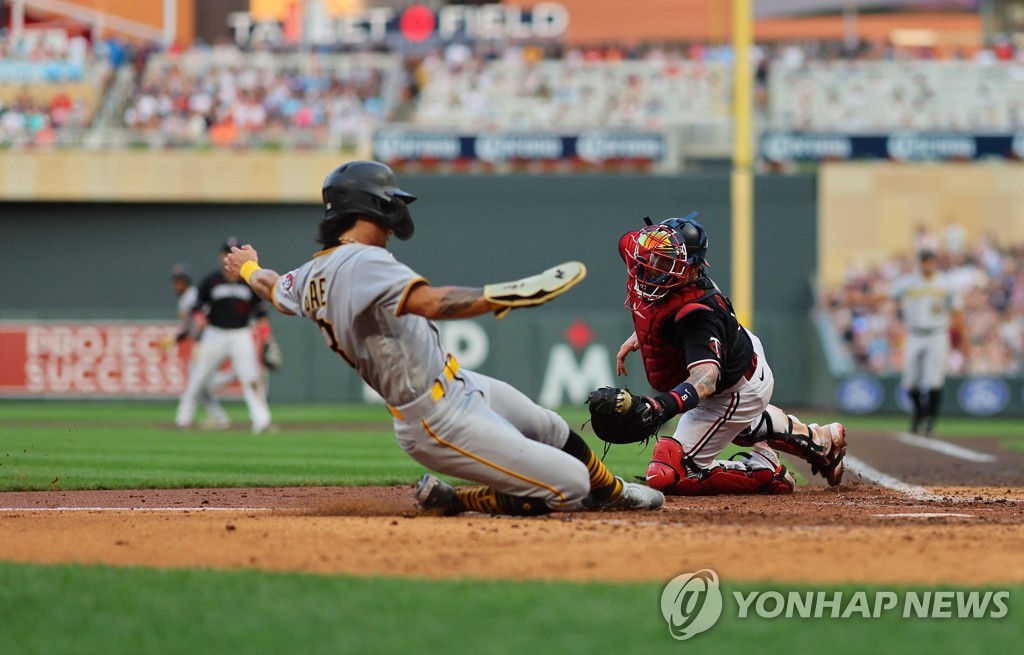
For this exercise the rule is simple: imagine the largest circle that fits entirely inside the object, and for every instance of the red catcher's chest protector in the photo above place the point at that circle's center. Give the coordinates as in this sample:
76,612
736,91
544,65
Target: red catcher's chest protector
666,365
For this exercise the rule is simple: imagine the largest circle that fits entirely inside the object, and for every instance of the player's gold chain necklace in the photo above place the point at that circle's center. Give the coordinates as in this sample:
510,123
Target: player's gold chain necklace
344,240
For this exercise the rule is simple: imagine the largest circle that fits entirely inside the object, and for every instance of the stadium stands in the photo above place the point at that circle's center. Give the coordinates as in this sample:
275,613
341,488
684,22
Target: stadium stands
222,96
50,86
991,283
518,93
880,96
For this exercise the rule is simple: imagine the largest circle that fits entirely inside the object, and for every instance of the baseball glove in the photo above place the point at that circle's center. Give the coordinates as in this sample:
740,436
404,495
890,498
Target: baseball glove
536,289
619,417
272,356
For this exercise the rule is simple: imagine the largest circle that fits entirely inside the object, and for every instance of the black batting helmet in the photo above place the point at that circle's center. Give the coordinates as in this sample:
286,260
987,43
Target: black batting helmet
368,188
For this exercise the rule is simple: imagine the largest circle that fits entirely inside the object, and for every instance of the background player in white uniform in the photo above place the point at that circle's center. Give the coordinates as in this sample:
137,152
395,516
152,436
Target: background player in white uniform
375,314
223,309
186,292
927,302
708,368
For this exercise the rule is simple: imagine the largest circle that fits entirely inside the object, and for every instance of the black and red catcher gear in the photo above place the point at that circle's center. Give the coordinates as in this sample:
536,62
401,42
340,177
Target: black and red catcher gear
661,257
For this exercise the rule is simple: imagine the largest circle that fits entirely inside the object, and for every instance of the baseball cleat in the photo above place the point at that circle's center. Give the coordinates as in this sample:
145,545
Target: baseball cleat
433,492
634,496
216,424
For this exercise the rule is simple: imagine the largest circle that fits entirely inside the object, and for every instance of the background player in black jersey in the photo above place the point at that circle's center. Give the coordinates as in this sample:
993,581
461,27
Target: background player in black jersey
711,370
186,293
225,306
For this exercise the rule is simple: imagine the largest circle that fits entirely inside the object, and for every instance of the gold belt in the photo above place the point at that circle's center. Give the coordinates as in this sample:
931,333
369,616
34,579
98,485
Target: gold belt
451,367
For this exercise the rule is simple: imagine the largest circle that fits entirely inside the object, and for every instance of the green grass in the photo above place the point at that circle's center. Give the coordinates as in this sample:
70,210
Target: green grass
958,427
127,445
123,447
98,609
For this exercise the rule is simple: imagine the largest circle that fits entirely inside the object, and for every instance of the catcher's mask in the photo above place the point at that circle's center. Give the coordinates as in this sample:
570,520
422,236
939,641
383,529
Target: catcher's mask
661,257
368,188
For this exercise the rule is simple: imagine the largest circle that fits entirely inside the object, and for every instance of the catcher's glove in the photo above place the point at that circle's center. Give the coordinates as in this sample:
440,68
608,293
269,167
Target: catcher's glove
272,356
618,416
536,289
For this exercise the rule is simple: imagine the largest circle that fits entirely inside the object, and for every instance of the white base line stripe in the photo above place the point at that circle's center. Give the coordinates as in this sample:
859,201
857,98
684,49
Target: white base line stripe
135,509
944,447
925,515
871,474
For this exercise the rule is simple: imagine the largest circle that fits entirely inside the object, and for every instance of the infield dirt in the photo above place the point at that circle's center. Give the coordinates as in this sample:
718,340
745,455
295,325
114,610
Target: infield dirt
857,532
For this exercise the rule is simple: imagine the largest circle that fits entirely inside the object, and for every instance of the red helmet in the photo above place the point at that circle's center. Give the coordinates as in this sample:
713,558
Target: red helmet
661,257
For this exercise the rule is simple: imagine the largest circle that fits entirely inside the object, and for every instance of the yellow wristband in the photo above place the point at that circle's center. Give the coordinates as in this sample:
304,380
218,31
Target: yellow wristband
248,268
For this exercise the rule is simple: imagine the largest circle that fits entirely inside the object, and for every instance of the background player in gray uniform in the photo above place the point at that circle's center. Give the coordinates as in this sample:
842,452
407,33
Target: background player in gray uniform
223,309
927,302
186,293
375,313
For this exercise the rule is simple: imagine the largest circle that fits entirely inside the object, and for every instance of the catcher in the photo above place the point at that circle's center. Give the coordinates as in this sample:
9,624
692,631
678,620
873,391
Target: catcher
708,368
377,314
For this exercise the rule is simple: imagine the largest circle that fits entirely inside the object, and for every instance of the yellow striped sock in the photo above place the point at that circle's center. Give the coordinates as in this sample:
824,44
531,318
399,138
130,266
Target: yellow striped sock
603,485
479,499
489,501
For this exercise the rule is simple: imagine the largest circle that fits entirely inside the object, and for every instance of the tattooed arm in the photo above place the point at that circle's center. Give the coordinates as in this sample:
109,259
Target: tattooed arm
704,378
440,303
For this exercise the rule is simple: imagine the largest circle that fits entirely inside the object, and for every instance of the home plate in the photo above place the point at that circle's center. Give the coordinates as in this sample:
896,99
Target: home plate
925,515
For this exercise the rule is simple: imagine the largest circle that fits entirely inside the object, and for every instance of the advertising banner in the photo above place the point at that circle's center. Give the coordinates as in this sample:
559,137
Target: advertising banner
276,22
980,396
87,359
590,147
781,146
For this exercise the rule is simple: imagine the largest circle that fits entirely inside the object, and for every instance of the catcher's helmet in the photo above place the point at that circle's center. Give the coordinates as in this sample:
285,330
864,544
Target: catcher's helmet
660,257
368,188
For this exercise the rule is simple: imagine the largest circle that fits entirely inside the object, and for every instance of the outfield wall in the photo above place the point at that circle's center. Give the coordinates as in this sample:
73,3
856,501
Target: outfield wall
82,262
103,261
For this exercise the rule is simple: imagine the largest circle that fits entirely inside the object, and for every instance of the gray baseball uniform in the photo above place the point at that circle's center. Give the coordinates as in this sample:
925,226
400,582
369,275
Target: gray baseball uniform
215,414
926,304
451,420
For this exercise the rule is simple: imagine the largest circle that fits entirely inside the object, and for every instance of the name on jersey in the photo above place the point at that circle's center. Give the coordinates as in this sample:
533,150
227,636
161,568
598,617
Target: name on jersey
316,294
222,291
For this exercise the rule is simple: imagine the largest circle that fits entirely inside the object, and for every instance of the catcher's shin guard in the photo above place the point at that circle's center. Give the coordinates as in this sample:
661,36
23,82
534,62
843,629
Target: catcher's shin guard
671,473
821,446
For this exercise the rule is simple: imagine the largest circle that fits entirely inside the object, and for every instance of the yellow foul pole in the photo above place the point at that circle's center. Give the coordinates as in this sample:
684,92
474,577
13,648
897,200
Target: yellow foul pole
742,292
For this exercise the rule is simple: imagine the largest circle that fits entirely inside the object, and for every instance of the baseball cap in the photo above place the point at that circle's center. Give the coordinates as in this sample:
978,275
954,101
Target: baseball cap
181,272
229,243
926,254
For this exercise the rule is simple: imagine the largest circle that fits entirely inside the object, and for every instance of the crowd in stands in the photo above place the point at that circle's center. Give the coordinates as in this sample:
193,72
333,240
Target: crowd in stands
45,47
43,73
519,88
222,96
989,278
30,120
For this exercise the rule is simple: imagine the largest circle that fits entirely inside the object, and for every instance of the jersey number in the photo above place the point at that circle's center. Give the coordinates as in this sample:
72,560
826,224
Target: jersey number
332,340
